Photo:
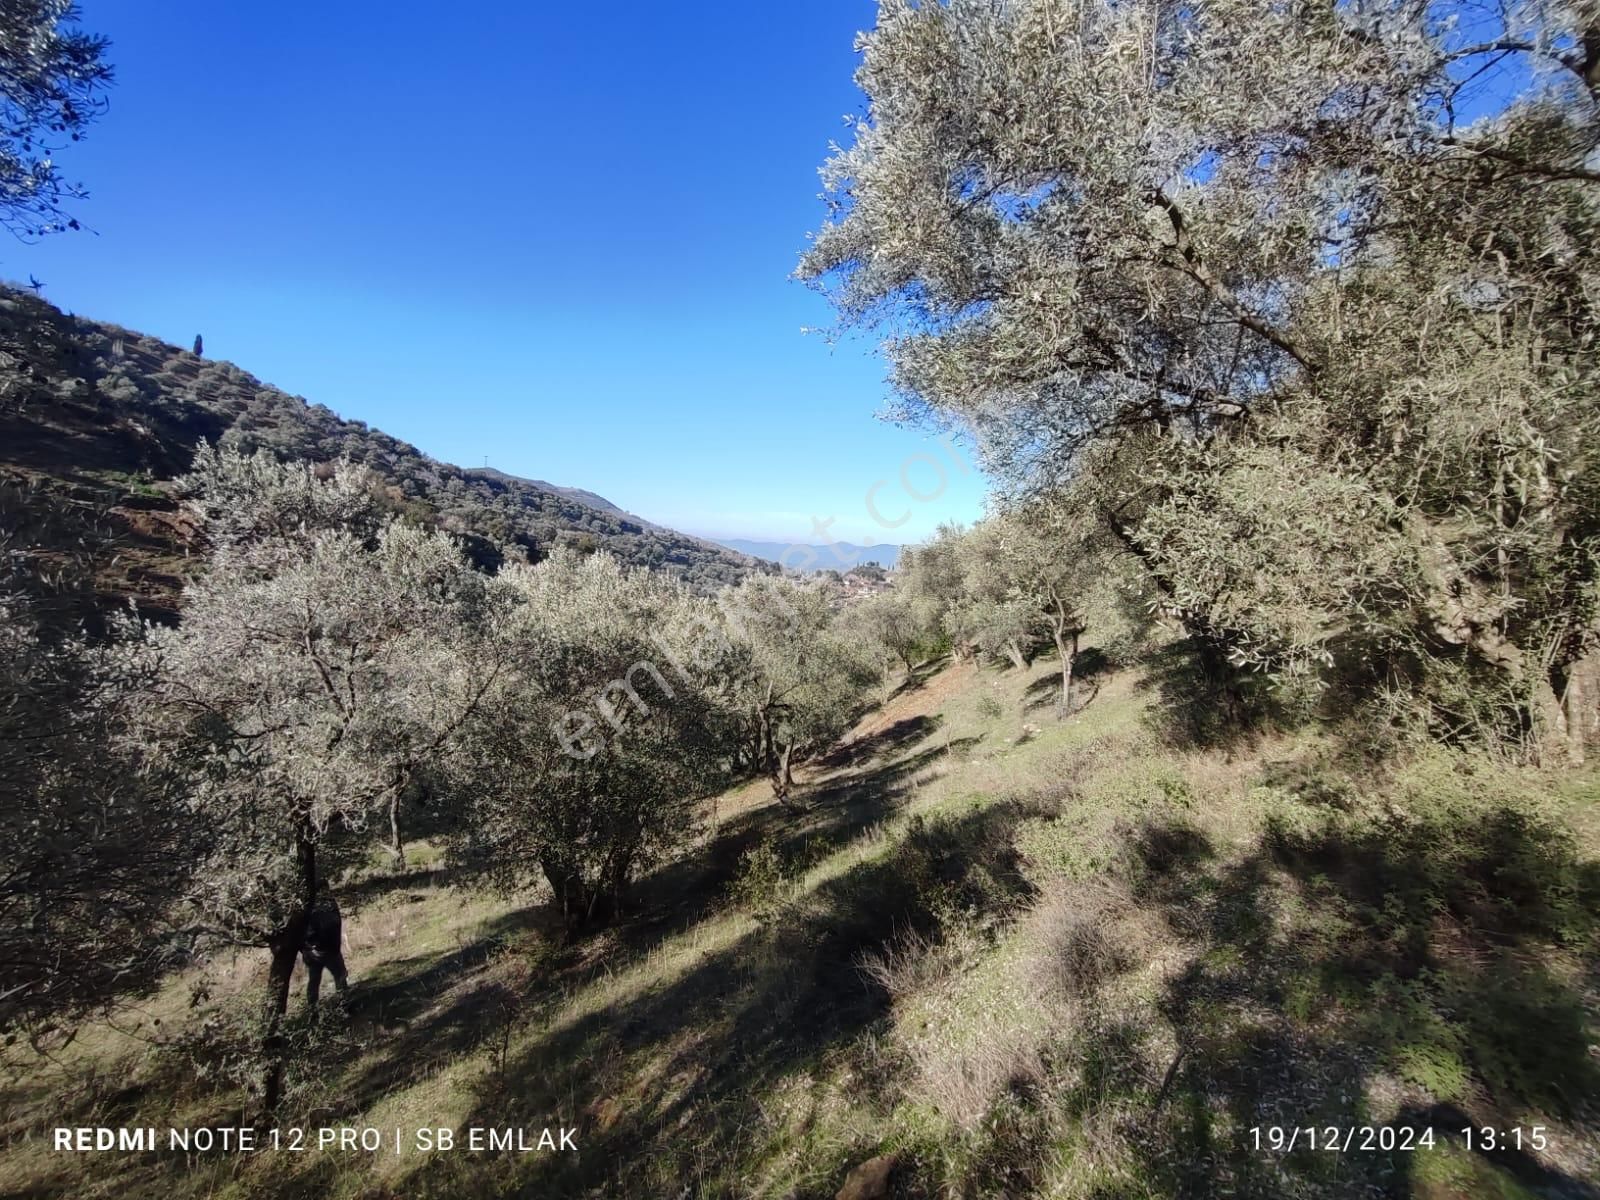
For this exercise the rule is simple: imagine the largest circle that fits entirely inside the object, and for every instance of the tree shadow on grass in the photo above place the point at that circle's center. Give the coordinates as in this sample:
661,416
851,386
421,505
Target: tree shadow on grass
1440,962
836,812
1092,665
1432,972
881,745
671,1079
678,893
919,675
381,883
1206,702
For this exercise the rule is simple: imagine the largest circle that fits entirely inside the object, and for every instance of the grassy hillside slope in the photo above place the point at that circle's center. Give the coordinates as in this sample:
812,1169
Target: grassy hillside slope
1021,957
96,417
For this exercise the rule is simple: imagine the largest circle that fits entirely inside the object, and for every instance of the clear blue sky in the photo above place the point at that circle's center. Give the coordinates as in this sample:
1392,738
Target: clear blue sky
558,236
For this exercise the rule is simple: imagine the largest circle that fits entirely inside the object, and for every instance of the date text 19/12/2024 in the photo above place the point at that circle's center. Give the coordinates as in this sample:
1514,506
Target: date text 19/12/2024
1357,1139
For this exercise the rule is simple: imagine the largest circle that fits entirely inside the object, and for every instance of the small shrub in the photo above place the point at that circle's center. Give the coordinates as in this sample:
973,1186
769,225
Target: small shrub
1076,941
1139,784
763,883
1437,1070
961,871
1310,783
903,966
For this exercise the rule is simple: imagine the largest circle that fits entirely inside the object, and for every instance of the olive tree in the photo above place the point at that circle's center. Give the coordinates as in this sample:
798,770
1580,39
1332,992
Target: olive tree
270,506
931,577
989,612
592,748
1057,564
804,677
889,619
53,79
94,850
1026,576
300,694
1357,238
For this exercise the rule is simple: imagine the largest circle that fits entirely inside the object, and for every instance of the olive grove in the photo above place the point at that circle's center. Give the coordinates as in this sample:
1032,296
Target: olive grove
1300,297
217,782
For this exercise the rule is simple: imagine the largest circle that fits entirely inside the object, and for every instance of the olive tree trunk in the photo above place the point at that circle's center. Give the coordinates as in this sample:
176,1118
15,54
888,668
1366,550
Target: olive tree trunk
1067,647
397,845
285,946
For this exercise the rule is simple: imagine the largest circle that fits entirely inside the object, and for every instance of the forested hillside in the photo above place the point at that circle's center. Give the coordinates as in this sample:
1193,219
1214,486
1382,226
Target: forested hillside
100,417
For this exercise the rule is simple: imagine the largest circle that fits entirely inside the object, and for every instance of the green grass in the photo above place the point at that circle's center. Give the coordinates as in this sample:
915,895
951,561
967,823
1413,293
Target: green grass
1028,956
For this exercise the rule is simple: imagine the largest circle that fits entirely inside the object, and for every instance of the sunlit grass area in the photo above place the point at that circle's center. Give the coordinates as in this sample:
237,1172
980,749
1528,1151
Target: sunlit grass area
1024,955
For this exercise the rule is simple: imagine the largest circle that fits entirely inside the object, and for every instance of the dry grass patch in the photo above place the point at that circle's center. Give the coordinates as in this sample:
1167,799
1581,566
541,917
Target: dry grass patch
976,1021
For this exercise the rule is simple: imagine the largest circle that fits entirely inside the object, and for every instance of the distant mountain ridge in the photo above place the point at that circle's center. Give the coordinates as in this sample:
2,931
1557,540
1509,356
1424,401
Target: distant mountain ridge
592,499
808,557
94,419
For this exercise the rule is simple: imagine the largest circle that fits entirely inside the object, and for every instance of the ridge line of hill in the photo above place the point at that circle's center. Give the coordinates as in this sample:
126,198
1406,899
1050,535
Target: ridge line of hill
97,418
